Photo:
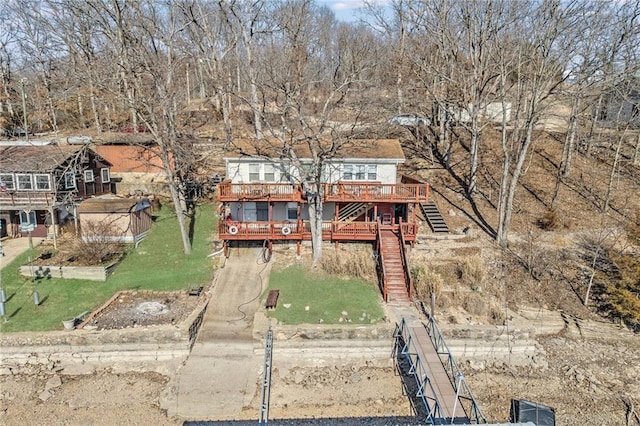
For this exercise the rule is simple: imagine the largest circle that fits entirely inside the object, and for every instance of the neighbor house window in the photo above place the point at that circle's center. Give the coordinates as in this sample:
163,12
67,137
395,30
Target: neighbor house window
24,182
43,183
6,182
269,173
360,172
292,211
88,176
105,176
69,180
254,172
28,218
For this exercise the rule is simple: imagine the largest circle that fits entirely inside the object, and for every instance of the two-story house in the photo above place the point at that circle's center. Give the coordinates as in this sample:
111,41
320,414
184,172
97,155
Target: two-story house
262,199
40,186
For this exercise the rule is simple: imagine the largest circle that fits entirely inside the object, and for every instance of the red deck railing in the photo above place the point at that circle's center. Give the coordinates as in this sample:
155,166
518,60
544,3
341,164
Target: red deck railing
259,191
333,192
296,231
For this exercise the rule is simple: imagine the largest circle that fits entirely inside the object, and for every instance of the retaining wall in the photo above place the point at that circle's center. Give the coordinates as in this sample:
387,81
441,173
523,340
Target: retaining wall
154,348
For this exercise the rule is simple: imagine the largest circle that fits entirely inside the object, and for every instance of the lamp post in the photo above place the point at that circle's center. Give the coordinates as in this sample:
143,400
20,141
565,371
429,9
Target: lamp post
24,109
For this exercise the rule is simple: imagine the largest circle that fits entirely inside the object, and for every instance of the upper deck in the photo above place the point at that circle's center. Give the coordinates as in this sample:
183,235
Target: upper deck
346,192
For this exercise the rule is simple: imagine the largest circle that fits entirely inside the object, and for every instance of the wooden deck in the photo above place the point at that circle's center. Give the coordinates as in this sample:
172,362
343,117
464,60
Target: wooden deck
298,231
335,192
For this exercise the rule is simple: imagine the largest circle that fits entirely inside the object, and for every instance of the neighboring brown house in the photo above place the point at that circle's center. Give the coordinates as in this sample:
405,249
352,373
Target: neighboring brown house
109,218
41,186
137,168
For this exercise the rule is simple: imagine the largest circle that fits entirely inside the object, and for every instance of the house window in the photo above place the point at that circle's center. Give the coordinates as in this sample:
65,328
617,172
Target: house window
360,172
88,176
105,175
372,172
254,172
69,180
43,183
27,218
347,172
24,182
269,173
6,182
292,211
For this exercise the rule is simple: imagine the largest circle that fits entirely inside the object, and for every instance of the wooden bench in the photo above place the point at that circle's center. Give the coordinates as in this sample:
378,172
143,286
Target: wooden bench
272,299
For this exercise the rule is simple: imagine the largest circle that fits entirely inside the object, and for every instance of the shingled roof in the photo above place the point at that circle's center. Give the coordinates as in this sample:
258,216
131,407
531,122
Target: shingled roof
355,148
35,158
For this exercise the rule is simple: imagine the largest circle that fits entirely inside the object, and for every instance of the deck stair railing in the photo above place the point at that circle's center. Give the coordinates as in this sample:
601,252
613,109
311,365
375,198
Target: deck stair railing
465,396
382,274
352,211
426,391
405,262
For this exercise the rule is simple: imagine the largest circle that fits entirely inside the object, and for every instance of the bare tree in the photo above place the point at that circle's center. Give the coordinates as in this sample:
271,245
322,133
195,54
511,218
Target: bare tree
538,64
316,69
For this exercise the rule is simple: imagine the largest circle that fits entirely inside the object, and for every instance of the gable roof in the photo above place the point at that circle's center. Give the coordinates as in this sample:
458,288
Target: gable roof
389,149
37,158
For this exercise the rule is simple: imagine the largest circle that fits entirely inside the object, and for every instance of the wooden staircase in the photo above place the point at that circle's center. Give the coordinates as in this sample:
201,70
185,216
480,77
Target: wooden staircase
393,269
434,217
352,211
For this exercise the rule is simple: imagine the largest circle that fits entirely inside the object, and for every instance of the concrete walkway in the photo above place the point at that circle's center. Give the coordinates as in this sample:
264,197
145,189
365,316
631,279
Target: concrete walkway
223,369
14,247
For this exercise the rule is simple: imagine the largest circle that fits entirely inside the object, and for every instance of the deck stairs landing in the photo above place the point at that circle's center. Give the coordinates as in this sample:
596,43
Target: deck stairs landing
434,217
394,275
352,211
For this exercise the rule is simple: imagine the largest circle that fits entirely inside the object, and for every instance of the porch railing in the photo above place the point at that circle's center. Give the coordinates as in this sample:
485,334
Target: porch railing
332,192
253,191
376,192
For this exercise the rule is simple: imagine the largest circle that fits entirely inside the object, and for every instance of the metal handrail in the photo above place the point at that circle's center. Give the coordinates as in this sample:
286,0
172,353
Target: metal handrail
460,386
410,351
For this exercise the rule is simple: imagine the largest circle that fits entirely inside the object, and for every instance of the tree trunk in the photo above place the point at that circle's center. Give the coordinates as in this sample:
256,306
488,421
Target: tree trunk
315,221
569,144
473,167
94,109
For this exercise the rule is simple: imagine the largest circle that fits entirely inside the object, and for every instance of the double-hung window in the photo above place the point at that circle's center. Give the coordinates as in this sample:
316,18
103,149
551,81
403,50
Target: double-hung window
43,182
254,172
69,180
269,173
105,175
88,176
347,172
359,172
7,183
292,211
27,218
25,182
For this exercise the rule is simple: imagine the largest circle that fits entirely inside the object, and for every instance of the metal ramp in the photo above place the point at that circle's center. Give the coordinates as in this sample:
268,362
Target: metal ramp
434,217
440,385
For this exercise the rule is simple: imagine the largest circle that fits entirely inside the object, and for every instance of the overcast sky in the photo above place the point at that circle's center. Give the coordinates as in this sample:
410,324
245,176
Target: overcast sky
347,10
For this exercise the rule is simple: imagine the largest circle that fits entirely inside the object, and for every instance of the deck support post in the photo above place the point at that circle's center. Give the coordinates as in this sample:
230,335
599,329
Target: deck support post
298,248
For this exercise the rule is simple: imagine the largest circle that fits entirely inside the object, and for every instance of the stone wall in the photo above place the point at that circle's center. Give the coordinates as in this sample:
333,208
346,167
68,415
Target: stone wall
154,348
91,273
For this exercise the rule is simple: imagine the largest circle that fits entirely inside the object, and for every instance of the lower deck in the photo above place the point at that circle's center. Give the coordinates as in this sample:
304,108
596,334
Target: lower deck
301,231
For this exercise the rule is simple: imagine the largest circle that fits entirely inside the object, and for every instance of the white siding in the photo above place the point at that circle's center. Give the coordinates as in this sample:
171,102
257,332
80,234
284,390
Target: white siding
238,170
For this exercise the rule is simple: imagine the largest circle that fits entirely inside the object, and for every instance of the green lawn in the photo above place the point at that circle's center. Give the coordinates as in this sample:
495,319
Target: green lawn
315,298
157,264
